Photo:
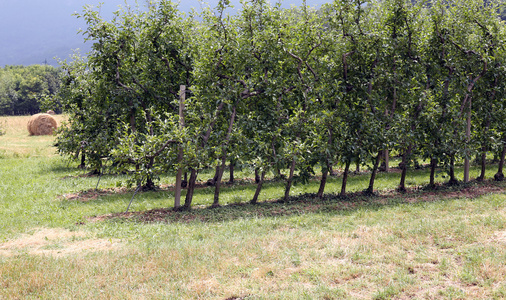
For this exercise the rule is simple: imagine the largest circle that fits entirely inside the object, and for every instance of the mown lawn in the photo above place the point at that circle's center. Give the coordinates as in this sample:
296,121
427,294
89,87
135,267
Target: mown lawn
61,239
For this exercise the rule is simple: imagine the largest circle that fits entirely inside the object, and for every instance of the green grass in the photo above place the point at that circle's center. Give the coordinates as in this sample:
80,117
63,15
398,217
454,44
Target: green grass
421,245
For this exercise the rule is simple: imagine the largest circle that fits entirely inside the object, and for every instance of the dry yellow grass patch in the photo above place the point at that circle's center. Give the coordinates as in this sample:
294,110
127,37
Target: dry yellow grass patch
500,236
56,242
17,142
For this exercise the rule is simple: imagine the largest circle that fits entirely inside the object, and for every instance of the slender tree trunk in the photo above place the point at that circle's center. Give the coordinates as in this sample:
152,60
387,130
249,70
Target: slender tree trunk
191,188
220,170
387,160
468,139
484,150
345,179
499,176
231,170
184,183
258,189
217,183
193,175
357,166
289,181
483,163
212,181
404,168
323,182
83,161
150,185
327,168
453,180
370,189
385,166
433,166
257,176
179,185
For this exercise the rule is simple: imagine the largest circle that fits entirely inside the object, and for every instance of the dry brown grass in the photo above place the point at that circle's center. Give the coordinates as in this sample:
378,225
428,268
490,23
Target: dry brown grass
454,249
18,143
56,242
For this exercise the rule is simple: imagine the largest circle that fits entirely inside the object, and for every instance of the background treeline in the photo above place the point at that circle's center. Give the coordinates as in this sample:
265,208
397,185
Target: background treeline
23,89
288,92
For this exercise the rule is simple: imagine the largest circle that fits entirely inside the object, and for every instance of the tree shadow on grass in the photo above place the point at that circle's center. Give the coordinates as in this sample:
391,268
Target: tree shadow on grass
307,204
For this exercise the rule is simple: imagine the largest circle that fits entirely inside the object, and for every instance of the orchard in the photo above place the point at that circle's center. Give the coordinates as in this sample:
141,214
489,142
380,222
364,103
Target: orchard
294,90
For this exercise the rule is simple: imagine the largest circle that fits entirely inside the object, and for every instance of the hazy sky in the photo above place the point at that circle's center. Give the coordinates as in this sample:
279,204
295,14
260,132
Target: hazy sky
35,31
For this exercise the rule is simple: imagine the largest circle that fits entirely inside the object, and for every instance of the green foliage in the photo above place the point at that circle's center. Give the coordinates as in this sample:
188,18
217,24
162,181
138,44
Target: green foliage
22,89
297,89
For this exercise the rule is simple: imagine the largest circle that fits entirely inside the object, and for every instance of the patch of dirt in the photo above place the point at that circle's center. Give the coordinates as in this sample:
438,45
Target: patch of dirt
471,191
500,237
93,194
56,242
306,203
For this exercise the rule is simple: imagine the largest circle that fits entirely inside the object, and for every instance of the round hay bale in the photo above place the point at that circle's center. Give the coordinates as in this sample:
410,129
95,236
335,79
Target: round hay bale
41,124
50,112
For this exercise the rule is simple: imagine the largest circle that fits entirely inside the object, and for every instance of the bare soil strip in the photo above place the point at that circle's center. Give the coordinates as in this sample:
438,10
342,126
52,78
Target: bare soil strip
307,203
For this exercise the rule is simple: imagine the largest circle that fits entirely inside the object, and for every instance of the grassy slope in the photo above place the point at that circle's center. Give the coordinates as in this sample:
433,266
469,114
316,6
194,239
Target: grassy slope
367,248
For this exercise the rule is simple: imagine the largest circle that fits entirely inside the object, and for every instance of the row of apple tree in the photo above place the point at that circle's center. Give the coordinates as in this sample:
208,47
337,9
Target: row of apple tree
288,90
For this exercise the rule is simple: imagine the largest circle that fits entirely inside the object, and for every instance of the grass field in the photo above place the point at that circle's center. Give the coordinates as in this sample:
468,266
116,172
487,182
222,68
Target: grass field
61,239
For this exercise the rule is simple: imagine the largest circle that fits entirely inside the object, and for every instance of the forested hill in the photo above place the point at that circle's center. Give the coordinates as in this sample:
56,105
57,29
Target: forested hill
36,31
22,89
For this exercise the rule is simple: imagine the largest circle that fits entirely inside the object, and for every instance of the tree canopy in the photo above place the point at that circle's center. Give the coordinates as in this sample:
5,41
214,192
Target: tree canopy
23,89
289,90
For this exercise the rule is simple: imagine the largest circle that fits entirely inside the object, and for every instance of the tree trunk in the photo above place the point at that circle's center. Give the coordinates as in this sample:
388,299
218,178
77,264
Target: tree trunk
404,168
217,183
194,173
433,166
453,180
191,189
385,165
219,170
257,176
345,179
289,181
500,175
323,182
83,161
231,170
468,140
370,189
150,185
357,167
179,183
212,181
178,187
259,188
483,164
184,183
484,150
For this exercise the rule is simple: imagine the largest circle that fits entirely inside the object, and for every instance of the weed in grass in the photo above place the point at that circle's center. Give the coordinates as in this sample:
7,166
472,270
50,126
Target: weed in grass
387,293
452,292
